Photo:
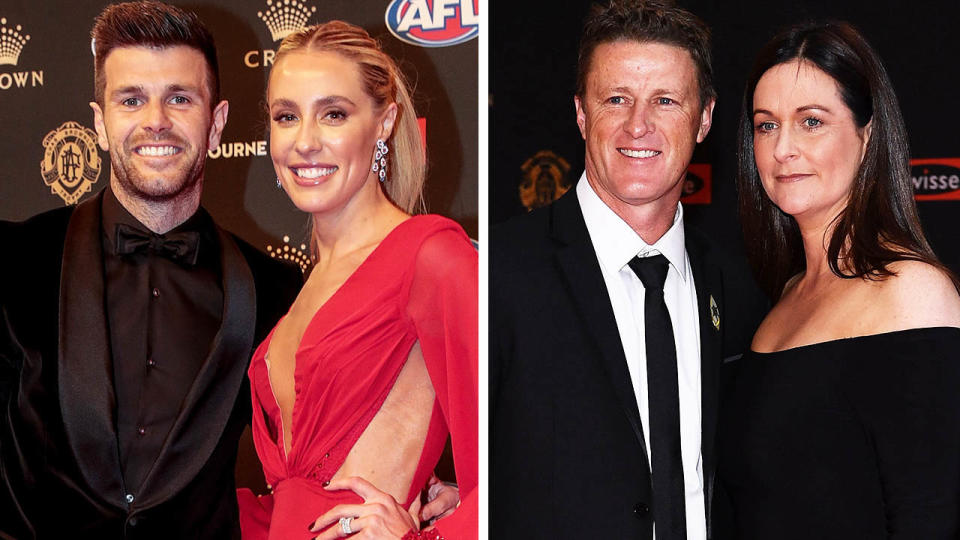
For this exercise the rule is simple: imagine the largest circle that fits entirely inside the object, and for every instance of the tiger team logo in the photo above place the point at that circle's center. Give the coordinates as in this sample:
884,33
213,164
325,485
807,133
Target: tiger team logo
71,164
544,179
697,184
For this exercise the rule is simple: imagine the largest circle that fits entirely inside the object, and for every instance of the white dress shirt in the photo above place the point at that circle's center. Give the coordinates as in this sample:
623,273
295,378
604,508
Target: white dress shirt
616,244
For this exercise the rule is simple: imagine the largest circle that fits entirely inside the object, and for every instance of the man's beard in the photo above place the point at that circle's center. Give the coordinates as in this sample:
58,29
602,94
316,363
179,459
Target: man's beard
157,186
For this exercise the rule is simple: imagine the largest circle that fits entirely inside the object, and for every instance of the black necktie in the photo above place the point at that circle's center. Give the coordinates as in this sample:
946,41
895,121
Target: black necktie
178,246
669,505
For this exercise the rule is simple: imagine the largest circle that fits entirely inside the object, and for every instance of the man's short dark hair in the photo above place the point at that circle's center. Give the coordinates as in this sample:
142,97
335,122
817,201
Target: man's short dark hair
151,24
646,21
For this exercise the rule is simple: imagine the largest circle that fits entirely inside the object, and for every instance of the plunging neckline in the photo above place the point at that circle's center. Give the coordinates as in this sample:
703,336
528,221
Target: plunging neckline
313,318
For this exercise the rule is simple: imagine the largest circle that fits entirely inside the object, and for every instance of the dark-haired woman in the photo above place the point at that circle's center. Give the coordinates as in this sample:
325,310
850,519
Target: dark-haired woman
844,420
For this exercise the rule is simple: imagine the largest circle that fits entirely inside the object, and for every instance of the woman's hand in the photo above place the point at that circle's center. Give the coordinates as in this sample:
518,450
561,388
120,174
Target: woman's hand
379,517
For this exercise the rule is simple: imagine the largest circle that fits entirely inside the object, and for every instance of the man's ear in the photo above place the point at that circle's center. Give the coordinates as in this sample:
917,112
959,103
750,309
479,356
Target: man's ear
99,127
219,122
581,116
706,120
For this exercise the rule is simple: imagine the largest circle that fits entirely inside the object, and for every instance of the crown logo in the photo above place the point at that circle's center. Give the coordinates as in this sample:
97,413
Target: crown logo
284,17
11,43
291,253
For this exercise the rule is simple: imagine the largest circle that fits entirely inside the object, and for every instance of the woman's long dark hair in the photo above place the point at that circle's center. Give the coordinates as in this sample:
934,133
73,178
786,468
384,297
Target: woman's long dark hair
879,225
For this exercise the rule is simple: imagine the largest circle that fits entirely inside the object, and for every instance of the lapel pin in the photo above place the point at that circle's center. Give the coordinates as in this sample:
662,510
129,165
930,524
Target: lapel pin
714,313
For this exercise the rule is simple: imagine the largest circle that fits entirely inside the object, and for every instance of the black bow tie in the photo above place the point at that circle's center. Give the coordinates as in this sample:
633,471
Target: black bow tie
177,246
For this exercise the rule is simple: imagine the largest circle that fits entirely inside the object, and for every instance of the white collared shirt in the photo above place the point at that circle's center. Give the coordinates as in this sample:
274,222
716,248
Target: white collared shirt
616,244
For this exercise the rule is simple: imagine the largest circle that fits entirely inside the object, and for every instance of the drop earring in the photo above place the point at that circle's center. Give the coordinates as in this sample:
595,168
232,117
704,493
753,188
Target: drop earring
279,185
380,160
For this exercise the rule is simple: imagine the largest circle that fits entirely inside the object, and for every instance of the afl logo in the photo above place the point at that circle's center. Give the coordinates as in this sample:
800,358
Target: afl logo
433,23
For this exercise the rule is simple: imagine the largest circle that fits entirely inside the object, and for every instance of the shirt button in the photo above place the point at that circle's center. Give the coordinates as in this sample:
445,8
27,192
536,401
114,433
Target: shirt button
129,498
141,431
152,363
132,522
156,292
641,510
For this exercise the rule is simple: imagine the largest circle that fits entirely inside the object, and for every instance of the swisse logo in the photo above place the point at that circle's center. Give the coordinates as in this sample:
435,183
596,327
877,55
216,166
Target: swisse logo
238,149
935,179
282,18
12,41
697,184
433,23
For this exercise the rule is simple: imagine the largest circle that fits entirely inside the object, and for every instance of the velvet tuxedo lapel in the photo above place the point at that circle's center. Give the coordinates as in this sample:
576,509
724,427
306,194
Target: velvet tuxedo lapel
85,372
581,271
210,402
710,306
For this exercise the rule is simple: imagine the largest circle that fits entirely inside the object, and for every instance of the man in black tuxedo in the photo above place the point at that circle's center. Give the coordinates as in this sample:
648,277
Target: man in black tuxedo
609,321
128,322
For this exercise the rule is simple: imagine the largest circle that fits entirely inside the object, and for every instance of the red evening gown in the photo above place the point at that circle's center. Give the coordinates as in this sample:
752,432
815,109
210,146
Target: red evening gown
419,284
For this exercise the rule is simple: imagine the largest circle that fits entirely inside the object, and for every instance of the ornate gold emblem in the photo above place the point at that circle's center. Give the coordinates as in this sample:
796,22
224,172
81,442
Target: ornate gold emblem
71,164
544,179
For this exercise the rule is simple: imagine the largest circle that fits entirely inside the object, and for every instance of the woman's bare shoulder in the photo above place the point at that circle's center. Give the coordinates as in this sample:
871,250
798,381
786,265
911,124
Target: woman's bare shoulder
919,295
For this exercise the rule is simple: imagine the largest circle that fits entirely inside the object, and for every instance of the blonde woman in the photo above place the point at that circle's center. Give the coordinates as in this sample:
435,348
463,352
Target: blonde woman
357,387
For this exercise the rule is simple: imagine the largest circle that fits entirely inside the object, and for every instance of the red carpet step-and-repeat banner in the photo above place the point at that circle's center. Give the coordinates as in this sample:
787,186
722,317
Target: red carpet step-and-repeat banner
50,157
537,153
48,146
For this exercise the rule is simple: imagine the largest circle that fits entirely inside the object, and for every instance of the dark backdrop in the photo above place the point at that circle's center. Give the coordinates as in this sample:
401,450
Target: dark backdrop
532,78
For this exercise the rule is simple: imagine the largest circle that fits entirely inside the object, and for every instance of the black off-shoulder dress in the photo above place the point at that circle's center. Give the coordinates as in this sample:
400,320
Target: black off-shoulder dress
850,439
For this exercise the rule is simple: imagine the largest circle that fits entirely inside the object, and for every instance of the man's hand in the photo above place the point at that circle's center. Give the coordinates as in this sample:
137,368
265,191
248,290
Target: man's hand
442,499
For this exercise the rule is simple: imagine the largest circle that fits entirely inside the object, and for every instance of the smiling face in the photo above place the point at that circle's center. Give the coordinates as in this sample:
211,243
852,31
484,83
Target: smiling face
806,144
156,120
323,131
641,118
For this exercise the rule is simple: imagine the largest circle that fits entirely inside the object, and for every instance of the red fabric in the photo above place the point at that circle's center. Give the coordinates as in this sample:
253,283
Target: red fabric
420,283
429,534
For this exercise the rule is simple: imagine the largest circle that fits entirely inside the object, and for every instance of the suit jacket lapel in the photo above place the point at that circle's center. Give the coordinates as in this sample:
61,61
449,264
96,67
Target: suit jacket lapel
579,267
87,400
213,395
710,303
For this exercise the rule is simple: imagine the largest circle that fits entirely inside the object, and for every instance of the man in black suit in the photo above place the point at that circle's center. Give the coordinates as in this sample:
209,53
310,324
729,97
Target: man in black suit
609,321
128,322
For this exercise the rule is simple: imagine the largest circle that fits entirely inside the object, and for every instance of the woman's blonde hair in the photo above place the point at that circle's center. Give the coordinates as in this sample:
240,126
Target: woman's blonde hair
385,84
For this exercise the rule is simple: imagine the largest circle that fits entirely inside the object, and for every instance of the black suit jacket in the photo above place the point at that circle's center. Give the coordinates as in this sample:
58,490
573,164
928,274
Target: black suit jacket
567,452
59,461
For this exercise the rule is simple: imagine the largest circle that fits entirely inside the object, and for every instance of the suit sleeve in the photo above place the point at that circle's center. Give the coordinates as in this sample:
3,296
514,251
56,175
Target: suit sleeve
443,306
